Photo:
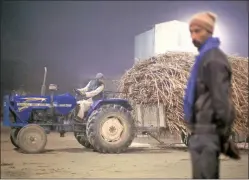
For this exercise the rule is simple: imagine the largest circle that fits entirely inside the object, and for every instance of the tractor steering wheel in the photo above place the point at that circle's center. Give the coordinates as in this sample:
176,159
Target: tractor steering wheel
78,93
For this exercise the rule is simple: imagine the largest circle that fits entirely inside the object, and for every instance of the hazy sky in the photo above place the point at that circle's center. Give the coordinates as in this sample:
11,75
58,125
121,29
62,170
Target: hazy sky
80,38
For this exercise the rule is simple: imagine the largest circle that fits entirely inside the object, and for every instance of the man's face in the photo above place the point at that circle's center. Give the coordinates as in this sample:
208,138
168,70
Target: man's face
199,35
101,80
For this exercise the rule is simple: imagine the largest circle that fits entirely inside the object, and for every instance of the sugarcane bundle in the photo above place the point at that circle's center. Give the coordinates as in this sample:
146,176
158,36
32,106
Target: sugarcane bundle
162,80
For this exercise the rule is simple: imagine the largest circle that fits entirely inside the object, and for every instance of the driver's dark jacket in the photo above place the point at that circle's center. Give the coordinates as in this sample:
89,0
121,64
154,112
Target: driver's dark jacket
94,84
213,109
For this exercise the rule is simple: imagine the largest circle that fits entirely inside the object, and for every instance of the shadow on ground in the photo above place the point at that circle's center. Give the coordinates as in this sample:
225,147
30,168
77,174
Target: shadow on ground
132,150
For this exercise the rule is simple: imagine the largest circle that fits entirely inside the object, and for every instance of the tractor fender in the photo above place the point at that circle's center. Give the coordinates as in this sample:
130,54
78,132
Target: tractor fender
122,102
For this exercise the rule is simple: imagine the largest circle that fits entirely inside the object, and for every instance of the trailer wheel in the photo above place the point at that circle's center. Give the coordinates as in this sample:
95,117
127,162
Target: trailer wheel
234,137
13,137
111,129
185,138
32,139
82,139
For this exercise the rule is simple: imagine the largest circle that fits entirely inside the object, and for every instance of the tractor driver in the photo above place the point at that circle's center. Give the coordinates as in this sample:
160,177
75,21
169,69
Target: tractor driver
93,92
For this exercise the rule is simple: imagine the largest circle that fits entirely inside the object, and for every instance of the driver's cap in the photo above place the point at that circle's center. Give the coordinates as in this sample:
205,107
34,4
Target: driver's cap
99,76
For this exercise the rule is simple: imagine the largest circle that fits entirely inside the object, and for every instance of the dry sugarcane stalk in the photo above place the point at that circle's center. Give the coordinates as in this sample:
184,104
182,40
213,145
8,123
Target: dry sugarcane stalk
162,79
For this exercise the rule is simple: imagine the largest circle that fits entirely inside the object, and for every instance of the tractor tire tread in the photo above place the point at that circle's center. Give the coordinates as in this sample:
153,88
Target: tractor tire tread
13,137
83,141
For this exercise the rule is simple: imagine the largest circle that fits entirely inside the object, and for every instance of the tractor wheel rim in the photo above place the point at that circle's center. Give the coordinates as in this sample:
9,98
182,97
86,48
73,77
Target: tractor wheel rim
112,130
33,140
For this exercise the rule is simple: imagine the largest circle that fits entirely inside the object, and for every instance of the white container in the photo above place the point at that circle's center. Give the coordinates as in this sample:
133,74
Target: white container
144,44
164,37
173,36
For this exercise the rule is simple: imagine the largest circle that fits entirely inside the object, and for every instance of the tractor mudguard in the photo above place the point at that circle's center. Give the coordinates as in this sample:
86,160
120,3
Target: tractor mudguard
122,102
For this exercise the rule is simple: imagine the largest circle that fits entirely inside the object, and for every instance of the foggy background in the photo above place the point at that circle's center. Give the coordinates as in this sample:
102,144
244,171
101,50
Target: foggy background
77,39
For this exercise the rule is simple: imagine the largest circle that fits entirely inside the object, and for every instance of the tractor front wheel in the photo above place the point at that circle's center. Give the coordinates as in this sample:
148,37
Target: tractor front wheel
13,137
111,129
32,139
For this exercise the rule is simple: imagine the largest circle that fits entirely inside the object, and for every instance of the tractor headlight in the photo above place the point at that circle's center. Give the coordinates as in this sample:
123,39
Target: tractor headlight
52,87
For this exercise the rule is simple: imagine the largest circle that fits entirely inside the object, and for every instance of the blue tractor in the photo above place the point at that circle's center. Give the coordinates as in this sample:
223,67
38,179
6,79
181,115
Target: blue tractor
108,126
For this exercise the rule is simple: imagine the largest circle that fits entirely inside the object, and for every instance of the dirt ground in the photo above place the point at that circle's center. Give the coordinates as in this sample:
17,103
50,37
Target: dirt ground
65,158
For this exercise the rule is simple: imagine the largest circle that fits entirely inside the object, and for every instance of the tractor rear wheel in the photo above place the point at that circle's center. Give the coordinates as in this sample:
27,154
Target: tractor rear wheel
111,129
82,139
32,139
13,137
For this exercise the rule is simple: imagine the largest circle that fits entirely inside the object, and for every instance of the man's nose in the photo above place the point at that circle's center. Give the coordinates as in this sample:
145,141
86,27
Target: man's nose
193,36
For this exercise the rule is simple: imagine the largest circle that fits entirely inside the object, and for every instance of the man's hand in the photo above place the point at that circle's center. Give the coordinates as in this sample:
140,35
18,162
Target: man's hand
81,93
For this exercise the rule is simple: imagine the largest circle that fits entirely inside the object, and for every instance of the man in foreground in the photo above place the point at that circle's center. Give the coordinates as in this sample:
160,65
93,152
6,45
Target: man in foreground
207,105
92,92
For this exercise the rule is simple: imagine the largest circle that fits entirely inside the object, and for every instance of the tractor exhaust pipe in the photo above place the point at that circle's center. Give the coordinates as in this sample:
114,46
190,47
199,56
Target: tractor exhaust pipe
43,88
